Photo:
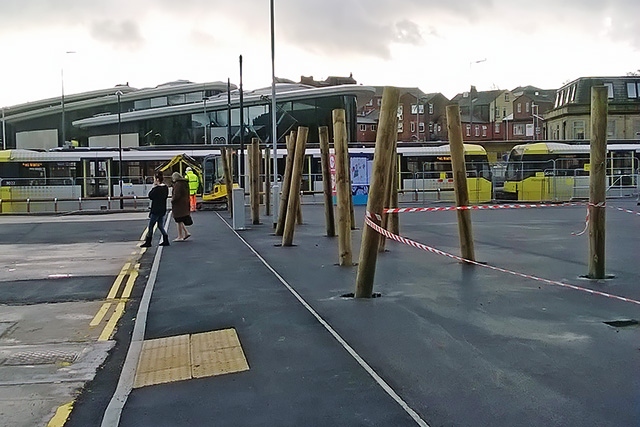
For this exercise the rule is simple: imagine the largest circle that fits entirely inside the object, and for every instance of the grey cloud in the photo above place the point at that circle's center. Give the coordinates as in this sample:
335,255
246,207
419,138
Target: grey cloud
334,26
408,32
123,34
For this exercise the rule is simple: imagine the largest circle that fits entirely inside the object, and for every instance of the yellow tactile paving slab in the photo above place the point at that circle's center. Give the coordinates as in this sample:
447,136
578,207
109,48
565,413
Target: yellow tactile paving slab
190,356
216,353
164,360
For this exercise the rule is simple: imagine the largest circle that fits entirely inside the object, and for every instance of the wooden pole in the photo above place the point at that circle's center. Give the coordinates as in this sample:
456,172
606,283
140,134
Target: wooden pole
267,182
326,181
286,183
387,219
347,162
456,145
597,182
385,138
228,180
294,190
254,180
394,220
343,190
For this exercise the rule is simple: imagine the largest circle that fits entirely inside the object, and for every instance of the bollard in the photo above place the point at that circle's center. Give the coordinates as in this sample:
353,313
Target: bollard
28,205
237,199
109,202
80,203
55,204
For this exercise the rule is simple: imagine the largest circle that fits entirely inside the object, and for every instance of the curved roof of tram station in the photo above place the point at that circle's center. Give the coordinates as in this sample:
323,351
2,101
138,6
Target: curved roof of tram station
284,92
96,98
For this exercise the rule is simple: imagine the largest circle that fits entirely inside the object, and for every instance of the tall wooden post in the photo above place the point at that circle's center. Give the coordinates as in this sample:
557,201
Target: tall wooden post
267,182
326,181
286,183
597,182
254,180
391,189
385,138
394,220
347,162
228,180
294,190
343,190
465,231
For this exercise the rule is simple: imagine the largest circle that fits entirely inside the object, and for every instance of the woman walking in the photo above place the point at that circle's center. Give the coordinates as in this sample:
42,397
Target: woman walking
180,206
158,196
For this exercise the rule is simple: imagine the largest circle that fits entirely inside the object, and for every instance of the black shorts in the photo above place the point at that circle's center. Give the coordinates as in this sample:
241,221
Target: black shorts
187,220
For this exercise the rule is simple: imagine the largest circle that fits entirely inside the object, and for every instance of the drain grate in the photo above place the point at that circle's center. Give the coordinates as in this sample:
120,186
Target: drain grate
622,323
47,357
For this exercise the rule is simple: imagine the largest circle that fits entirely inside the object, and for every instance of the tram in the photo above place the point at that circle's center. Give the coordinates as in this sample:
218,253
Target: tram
95,173
423,171
85,173
551,171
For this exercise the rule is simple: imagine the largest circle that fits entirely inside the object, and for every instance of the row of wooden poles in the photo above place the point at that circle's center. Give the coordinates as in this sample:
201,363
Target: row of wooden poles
383,187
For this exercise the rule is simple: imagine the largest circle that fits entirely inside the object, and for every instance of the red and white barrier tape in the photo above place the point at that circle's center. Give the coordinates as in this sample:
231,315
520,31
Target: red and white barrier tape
496,207
415,244
482,207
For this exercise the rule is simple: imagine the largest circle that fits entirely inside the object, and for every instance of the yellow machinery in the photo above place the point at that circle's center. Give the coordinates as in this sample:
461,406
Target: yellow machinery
214,191
210,174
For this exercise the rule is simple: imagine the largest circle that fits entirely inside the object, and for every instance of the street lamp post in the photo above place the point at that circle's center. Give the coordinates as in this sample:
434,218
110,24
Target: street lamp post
63,121
275,187
206,120
471,97
4,132
119,94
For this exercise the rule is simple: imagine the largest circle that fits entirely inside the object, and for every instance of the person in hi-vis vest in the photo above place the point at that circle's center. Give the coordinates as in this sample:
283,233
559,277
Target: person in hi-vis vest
193,187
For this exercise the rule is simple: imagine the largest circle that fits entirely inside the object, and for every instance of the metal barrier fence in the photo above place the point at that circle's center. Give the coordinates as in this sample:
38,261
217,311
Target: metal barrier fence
551,183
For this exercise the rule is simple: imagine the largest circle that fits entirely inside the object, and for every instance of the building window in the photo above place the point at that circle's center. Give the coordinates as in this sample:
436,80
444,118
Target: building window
496,128
400,110
477,130
370,103
609,87
430,127
527,107
578,129
421,127
363,128
484,130
518,129
506,97
400,127
632,91
413,127
468,130
430,108
519,107
379,102
159,102
573,92
611,128
374,128
497,112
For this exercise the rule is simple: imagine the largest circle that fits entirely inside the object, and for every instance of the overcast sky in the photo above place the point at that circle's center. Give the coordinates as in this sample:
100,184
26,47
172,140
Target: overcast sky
431,44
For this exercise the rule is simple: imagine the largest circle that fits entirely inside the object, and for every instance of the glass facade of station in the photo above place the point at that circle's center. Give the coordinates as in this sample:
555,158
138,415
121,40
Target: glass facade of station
189,128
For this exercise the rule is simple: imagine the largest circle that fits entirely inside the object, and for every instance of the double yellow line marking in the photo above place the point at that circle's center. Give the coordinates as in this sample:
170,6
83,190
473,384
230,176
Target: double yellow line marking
130,272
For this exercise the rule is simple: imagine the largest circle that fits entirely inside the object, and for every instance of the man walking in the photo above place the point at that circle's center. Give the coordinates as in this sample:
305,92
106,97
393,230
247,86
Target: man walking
194,183
158,196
